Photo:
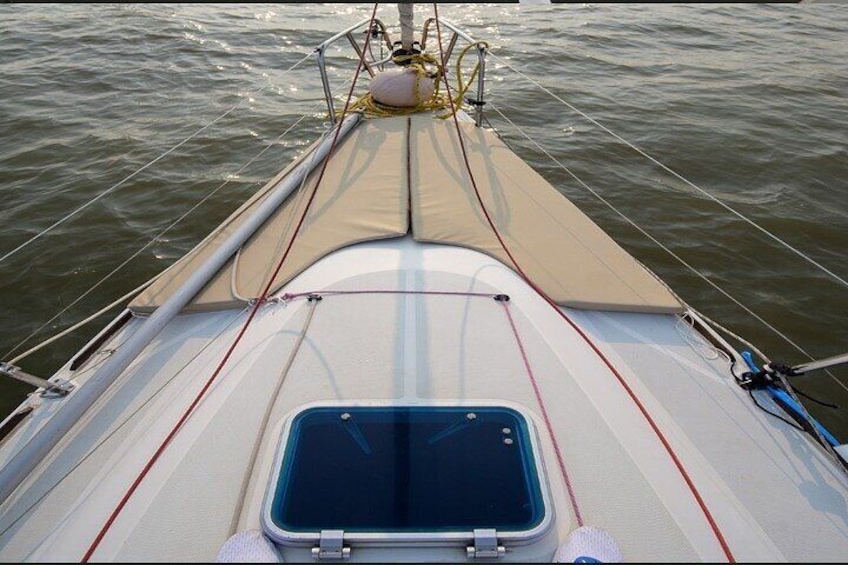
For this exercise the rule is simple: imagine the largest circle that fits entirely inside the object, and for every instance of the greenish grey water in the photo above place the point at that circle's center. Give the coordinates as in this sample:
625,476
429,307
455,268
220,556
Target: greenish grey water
747,101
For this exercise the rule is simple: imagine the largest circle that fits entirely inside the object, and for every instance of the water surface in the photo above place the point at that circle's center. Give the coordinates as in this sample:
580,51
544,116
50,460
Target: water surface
746,101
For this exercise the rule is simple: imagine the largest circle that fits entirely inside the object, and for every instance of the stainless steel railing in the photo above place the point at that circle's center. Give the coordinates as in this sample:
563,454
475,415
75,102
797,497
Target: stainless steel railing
481,60
378,29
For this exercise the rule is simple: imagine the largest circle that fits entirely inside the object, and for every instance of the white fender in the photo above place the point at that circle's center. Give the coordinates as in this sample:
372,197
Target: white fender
588,544
251,546
396,87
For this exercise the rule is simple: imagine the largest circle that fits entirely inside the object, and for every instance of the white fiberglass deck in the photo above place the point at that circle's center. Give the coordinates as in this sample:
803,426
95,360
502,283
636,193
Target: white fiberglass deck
772,494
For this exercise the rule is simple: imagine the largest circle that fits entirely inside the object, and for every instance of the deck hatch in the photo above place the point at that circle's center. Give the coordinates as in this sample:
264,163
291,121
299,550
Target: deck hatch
403,473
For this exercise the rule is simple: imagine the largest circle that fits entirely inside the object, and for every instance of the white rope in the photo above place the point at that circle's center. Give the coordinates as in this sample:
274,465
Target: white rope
822,363
688,182
79,324
660,244
297,199
273,400
690,335
155,239
737,337
144,167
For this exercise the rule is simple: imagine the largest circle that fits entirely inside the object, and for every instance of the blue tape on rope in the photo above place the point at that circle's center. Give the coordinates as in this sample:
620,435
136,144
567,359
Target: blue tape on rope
790,402
749,359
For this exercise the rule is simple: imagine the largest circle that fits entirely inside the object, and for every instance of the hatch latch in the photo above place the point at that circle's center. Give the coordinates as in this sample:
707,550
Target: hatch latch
485,545
331,546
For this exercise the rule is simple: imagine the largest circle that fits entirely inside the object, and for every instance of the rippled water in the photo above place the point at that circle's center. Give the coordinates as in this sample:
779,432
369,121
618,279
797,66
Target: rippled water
746,101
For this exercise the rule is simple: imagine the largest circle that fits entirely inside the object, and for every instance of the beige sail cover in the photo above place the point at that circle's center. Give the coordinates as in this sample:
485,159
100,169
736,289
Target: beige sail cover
366,193
363,196
559,248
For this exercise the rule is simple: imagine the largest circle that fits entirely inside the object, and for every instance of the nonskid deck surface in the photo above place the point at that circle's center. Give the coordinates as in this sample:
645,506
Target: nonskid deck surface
403,322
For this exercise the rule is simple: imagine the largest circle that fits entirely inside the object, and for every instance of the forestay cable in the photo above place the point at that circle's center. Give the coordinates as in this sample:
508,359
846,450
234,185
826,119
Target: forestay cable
678,176
149,164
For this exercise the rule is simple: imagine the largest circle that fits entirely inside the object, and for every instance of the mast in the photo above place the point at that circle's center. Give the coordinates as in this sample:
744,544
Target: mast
406,25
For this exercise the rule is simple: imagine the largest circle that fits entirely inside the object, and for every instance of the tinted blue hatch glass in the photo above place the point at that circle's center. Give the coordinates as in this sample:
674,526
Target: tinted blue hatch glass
408,469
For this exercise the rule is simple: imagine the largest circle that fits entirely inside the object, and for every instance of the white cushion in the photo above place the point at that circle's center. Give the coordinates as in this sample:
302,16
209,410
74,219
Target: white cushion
251,546
588,544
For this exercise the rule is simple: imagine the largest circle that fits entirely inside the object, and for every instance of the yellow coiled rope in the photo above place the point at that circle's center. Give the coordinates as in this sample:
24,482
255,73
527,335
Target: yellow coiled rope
426,66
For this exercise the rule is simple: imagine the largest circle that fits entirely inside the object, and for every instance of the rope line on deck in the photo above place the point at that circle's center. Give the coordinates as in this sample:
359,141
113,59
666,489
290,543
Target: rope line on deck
253,311
504,247
269,408
529,369
666,444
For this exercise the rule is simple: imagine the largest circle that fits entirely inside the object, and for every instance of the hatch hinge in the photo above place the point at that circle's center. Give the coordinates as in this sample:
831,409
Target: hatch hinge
485,545
331,546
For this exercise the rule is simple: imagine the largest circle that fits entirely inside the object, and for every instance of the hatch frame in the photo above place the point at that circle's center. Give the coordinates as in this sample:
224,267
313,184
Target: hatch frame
409,539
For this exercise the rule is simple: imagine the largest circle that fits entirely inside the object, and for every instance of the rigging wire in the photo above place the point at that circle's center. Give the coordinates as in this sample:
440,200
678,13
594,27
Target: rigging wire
251,316
665,248
789,389
149,164
603,358
114,271
565,475
721,203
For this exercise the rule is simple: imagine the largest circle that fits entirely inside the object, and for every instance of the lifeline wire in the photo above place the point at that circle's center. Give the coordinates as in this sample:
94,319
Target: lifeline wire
143,167
153,240
120,426
200,395
675,174
785,383
664,247
77,325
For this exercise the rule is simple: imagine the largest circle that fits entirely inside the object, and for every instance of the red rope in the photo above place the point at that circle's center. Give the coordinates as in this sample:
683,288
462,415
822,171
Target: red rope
548,424
188,412
292,296
708,515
